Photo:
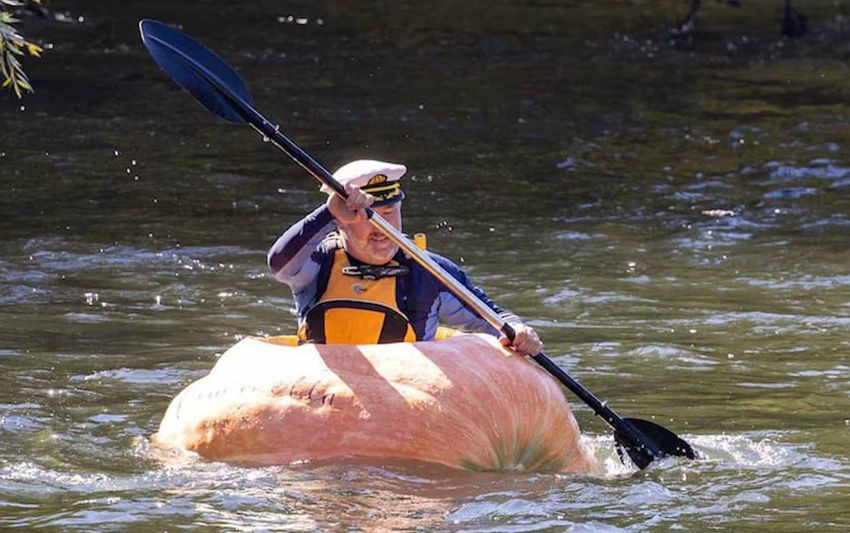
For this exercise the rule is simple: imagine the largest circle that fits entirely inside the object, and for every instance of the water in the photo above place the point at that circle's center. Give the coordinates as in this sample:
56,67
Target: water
672,218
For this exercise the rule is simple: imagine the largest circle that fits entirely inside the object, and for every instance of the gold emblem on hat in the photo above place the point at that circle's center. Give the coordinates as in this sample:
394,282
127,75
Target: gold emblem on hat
377,179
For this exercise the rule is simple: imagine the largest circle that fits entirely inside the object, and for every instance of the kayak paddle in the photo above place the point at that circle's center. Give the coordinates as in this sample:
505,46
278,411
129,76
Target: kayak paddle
219,88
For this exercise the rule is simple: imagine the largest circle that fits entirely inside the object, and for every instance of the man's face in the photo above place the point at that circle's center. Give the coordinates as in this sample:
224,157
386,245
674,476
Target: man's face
366,243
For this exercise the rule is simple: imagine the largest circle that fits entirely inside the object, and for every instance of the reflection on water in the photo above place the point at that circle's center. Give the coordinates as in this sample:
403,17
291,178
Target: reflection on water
672,217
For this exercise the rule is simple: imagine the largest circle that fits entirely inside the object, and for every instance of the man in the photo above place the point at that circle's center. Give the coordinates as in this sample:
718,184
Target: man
352,284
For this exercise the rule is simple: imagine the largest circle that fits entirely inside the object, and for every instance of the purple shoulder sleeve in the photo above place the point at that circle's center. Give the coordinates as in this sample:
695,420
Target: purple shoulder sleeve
293,249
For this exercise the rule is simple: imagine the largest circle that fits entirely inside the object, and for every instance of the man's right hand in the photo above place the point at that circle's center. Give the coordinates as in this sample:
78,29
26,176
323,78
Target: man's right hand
351,210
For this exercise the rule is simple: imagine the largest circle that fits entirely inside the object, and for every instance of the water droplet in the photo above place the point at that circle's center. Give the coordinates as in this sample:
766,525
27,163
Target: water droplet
116,153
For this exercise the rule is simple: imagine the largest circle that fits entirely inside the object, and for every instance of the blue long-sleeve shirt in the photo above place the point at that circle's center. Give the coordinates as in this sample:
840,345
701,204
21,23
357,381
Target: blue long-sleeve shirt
299,255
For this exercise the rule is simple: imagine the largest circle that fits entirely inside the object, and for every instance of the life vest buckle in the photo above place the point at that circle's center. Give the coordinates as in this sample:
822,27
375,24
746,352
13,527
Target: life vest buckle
373,272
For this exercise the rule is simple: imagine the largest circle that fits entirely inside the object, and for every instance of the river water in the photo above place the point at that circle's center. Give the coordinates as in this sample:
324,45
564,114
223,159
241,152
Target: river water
672,216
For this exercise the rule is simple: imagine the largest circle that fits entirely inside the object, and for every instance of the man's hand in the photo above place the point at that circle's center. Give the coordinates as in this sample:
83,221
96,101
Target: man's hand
525,342
351,210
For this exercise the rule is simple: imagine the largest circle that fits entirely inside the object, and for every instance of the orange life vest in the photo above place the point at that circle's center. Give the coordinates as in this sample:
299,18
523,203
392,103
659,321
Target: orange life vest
356,310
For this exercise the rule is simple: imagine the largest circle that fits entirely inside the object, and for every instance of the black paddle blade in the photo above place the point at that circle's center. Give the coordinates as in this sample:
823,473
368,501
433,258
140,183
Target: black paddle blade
196,69
662,439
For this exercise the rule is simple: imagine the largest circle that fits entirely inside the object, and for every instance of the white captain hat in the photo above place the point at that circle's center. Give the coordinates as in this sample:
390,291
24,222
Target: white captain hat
378,178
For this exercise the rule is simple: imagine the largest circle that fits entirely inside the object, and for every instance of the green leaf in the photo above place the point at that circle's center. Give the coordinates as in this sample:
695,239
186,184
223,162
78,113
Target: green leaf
13,44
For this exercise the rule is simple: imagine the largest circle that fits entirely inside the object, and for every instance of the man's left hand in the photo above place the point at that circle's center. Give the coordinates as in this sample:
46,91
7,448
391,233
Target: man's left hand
525,341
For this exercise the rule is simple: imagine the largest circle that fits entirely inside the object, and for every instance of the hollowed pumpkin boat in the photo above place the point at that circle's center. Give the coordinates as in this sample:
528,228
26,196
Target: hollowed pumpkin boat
464,402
